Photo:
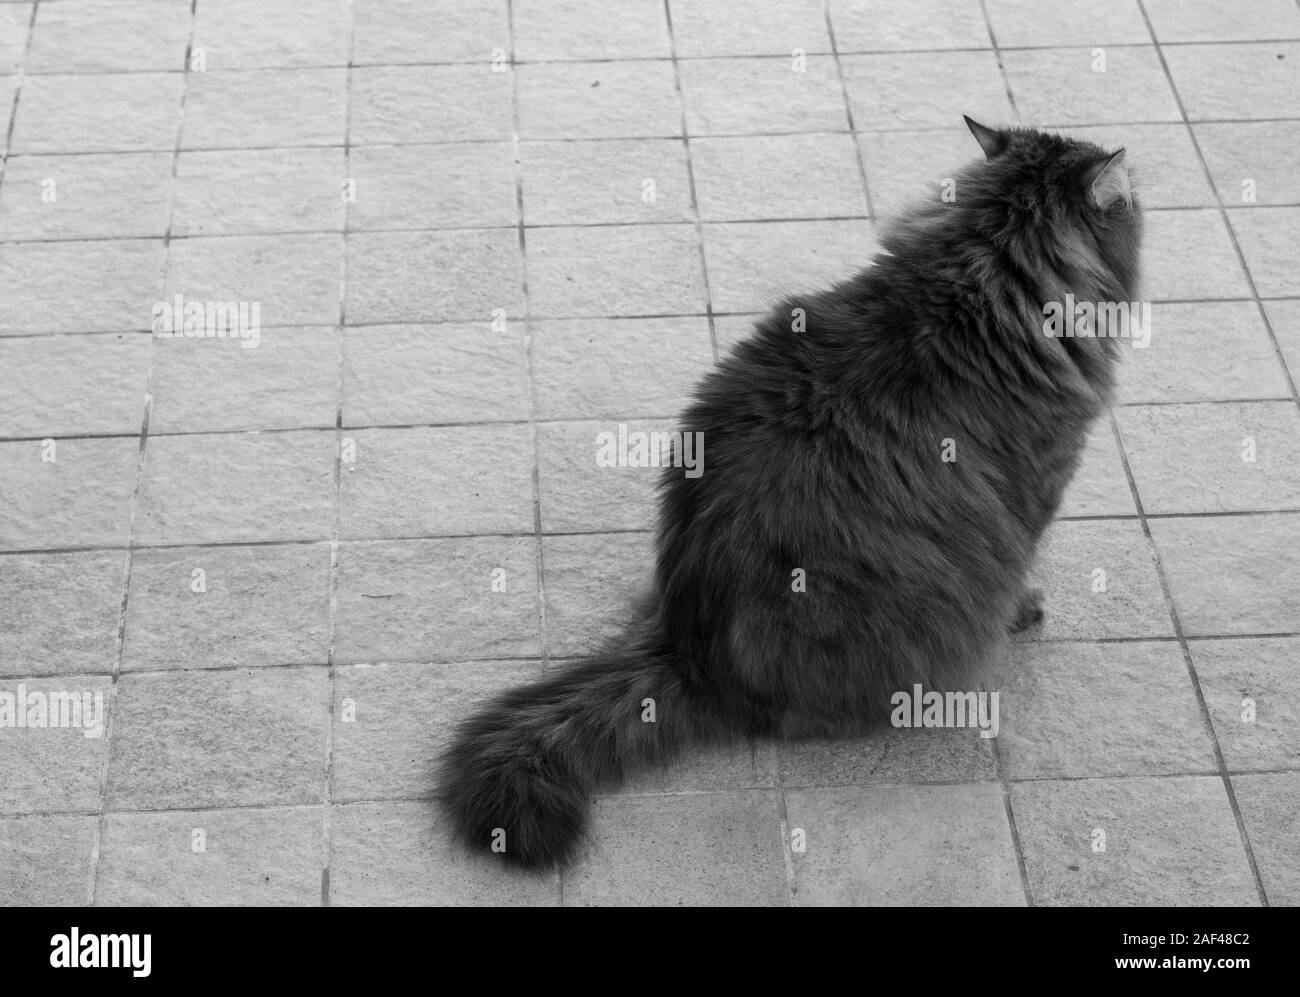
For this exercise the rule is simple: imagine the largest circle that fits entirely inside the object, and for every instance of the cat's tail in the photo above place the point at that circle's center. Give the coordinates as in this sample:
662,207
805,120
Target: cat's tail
519,775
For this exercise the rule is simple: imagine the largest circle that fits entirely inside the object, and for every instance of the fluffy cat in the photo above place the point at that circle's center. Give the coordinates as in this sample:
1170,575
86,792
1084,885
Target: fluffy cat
831,449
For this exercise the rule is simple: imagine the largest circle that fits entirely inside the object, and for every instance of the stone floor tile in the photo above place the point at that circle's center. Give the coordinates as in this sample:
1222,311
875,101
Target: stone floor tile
888,756
1171,274
1162,160
102,36
1019,23
280,190
80,496
110,112
923,24
1100,486
592,583
1269,240
430,104
66,385
781,99
605,181
748,27
581,495
1269,812
1253,162
48,861
589,29
265,108
254,34
1284,317
446,185
598,100
1242,82
1064,86
14,21
404,31
909,167
884,94
1179,21
96,196
1259,734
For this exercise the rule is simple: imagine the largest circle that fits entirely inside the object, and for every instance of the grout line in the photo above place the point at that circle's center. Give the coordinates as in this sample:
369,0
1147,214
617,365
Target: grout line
848,110
1017,845
997,54
19,79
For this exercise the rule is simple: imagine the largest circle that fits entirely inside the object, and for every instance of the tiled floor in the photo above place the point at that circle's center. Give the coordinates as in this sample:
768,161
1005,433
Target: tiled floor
287,569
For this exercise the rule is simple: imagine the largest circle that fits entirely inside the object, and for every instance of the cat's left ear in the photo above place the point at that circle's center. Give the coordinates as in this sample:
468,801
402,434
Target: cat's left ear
1107,181
991,140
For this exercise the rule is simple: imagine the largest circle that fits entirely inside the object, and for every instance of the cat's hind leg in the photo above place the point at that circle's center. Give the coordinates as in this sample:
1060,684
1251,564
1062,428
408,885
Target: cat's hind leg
1029,611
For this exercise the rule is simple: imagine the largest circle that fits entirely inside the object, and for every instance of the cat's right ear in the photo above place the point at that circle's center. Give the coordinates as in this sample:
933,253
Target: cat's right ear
992,141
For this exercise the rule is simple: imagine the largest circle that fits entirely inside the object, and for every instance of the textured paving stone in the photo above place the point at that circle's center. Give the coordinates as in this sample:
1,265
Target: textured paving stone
1019,23
1265,153
46,768
605,180
709,849
1269,812
1236,81
748,27
1070,558
14,20
95,36
1192,458
231,488
1269,239
1232,575
1259,734
1284,317
426,600
274,190
1071,709
598,100
1169,842
904,846
777,176
1162,159
590,29
79,286
432,186
212,739
266,605
1171,274
63,385
406,375
430,103
742,765
401,31
591,583
251,34
883,92
615,270
402,718
888,756
288,381
81,497
909,167
731,329
1176,21
437,482
265,108
433,276
580,496
293,278
61,612
597,368
47,861
752,265
391,854
1100,487
926,24
95,196
1204,351
781,98
98,113
212,858
1061,87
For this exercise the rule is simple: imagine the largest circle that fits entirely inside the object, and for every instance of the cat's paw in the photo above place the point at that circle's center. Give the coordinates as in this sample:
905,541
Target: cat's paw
1029,611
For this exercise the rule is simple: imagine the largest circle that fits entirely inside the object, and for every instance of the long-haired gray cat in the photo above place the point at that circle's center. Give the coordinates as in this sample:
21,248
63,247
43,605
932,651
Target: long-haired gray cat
902,454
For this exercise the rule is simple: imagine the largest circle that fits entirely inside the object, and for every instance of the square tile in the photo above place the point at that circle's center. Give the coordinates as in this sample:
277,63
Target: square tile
605,180
1250,689
884,94
888,755
1168,842
777,176
1070,710
113,285
212,858
437,600
288,381
706,849
67,493
732,329
1236,81
94,196
446,276
615,270
402,375
598,100
254,34
1100,487
1269,240
781,96
401,31
1181,21
1172,273
903,846
1284,317
1022,23
1088,86
1222,457
440,481
579,494
14,22
223,607
748,27
48,861
589,29
1232,574
226,738
1269,812
389,751
433,186
113,112
708,768
1162,159
66,385
430,103
100,36
280,190
265,108
598,368
875,25
1253,162
239,487
62,612
907,167
591,584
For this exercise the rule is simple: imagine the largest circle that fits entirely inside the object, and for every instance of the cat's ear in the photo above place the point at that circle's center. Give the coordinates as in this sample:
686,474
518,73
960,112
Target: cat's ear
1107,181
991,140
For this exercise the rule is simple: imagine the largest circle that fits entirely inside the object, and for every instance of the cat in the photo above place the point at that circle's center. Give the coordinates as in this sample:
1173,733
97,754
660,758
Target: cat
883,458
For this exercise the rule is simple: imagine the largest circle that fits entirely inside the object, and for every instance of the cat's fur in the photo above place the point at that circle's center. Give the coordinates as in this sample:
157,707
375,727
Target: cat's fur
824,453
